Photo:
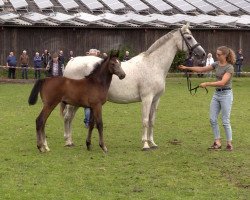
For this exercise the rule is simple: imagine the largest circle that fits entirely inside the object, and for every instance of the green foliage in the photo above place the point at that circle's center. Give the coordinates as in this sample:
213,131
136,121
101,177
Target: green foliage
185,170
178,60
122,51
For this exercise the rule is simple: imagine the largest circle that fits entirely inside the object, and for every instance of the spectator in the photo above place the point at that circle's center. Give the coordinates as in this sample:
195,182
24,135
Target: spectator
24,60
189,62
126,57
61,58
46,57
200,63
239,61
91,52
71,55
104,55
209,61
54,66
37,65
11,63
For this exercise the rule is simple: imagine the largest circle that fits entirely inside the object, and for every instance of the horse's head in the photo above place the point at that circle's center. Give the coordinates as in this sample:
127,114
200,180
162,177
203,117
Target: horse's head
115,65
189,43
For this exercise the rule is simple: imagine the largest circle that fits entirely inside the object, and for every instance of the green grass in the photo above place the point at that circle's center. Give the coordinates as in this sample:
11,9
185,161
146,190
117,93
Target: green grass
184,171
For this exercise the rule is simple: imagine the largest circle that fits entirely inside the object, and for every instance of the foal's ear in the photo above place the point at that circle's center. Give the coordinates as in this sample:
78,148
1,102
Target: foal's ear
114,53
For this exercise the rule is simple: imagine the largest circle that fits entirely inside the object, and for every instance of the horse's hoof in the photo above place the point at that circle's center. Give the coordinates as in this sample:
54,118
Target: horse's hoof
154,147
145,149
69,145
89,148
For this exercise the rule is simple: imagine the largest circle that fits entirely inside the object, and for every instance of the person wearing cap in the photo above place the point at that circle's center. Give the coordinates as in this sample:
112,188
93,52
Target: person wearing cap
55,67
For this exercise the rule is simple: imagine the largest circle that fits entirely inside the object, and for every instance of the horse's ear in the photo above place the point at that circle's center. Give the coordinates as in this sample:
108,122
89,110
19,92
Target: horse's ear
114,53
185,27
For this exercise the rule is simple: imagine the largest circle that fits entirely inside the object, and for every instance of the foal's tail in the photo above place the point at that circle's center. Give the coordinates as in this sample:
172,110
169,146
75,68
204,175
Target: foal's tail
34,92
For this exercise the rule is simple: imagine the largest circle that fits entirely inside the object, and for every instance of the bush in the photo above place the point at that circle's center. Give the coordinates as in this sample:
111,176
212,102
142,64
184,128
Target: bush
178,60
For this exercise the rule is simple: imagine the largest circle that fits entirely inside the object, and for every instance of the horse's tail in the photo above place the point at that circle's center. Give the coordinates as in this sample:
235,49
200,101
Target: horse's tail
34,92
62,107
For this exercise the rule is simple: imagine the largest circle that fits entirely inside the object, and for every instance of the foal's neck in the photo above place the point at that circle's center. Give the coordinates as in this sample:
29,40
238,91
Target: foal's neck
102,76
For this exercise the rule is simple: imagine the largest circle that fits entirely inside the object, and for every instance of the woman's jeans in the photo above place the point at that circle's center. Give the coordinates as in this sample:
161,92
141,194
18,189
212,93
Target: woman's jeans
221,101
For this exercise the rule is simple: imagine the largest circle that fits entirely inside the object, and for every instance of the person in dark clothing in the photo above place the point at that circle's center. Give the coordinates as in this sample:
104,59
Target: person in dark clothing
61,59
239,61
189,62
46,57
54,67
11,63
37,65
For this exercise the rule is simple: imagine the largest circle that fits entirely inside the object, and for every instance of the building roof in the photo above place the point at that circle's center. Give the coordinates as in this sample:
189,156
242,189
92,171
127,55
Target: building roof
126,13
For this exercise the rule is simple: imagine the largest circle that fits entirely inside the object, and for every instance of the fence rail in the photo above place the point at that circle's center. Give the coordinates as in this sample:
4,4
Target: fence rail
31,75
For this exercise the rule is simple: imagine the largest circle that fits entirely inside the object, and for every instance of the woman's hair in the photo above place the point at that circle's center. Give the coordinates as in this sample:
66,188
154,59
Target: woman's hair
230,55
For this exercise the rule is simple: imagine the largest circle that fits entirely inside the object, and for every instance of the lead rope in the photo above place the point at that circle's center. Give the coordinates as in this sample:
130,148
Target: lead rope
191,90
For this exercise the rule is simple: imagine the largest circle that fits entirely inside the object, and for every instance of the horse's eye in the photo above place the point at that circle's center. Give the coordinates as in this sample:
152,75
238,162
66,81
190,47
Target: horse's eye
189,37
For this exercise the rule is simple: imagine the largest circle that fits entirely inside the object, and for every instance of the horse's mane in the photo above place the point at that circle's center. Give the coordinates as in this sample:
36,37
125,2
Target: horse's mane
160,42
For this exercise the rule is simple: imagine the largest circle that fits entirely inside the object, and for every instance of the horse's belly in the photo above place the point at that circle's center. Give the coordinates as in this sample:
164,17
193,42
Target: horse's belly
123,93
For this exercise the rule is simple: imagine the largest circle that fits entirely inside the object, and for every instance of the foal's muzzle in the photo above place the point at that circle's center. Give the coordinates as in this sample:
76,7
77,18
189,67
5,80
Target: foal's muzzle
122,76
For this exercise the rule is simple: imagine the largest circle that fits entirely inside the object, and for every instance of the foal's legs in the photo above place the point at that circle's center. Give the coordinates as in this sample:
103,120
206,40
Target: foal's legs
40,125
152,115
68,114
97,112
146,106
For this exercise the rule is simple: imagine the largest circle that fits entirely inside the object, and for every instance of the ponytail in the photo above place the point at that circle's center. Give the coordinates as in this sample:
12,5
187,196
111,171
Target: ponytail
230,55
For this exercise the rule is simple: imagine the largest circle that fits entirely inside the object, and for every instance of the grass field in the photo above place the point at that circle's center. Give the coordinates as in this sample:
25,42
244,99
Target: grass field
183,171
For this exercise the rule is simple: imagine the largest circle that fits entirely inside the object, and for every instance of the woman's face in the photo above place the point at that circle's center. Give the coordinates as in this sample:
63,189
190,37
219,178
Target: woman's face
220,56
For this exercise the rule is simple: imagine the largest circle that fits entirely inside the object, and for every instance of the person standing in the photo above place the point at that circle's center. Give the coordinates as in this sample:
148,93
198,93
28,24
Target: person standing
61,59
209,61
46,57
54,67
24,60
239,62
11,63
37,65
126,57
223,96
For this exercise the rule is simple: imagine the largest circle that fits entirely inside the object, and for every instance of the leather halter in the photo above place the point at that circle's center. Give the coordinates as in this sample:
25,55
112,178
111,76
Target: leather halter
191,49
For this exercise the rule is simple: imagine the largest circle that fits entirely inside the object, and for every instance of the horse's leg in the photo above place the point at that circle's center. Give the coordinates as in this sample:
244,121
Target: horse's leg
146,105
91,127
68,114
152,116
40,125
97,112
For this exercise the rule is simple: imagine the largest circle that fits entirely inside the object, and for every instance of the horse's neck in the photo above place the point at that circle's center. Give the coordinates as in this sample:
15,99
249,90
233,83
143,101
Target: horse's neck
103,76
163,56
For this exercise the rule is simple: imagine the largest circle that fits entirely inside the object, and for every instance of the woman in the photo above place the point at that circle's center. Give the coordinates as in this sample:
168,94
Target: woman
223,96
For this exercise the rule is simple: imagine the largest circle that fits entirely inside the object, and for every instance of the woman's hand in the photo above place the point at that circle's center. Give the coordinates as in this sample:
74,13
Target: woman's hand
203,85
182,67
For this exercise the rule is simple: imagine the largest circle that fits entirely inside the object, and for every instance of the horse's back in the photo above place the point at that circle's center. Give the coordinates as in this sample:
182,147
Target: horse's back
81,66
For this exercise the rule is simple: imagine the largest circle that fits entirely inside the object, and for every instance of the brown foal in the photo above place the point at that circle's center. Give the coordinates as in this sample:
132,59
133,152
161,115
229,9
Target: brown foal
88,92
